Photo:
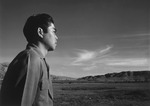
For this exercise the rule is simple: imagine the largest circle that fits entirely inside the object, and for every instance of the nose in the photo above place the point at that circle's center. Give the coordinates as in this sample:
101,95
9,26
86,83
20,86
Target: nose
56,37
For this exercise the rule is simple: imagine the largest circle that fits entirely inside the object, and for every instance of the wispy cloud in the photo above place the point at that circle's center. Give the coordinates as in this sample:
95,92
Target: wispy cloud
128,62
144,34
88,58
106,49
135,35
85,55
89,67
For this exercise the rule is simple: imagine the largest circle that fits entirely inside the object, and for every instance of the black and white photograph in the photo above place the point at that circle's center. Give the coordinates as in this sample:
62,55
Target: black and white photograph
74,53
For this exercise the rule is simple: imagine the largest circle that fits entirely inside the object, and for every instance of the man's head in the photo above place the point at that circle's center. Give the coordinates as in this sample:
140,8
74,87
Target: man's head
40,28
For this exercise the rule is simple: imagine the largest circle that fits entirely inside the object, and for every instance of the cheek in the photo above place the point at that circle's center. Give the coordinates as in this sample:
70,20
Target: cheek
50,39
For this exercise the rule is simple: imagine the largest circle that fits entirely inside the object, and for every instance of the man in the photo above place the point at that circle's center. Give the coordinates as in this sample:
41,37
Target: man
27,81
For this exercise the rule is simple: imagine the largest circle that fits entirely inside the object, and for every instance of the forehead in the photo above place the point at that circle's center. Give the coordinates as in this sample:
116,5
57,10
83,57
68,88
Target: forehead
51,25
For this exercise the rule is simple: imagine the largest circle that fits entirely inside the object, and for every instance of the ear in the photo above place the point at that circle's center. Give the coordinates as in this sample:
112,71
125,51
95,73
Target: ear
40,32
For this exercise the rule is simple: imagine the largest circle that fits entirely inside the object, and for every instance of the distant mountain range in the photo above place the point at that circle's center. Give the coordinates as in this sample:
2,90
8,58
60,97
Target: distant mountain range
3,69
125,76
59,78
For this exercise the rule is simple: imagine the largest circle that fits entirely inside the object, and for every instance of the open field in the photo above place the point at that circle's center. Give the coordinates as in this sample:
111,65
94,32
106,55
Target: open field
101,94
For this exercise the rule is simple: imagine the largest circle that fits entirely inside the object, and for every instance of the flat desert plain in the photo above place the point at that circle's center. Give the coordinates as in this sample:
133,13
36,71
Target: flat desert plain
101,94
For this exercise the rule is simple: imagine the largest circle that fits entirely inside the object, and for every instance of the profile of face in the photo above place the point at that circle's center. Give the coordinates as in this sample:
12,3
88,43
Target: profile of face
49,38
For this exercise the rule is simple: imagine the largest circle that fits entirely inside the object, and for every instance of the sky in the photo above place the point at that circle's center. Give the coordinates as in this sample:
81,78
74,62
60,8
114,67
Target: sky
95,37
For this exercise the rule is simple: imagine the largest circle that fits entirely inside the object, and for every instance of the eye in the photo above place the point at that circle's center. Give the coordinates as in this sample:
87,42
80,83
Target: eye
55,30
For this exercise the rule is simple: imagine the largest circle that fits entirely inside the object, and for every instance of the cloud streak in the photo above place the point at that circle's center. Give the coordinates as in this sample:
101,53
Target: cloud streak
89,67
128,62
85,55
105,50
88,58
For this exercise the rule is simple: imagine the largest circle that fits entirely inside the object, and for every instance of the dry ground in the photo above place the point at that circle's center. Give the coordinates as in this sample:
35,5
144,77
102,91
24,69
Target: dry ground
101,94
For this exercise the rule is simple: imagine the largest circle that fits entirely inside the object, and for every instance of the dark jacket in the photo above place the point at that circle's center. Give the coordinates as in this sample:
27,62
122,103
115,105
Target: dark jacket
27,81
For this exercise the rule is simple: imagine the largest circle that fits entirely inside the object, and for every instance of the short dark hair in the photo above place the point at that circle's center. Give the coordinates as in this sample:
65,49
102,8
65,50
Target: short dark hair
33,22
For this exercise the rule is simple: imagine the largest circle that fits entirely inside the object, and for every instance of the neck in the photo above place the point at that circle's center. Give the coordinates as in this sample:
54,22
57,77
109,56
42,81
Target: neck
42,48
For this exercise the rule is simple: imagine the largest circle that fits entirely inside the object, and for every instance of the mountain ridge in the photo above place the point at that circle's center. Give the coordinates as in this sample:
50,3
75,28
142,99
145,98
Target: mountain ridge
124,76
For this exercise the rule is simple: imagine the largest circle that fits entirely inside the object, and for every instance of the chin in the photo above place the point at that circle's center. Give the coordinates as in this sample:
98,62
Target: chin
51,49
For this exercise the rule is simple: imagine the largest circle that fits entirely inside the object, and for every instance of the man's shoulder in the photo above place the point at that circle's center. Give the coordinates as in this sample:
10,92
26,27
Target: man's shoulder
32,55
28,53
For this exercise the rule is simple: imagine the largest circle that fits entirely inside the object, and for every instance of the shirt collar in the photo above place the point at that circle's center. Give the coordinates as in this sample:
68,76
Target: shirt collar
35,48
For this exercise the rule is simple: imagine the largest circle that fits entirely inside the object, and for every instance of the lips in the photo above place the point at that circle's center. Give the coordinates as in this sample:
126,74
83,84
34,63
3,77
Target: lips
55,44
